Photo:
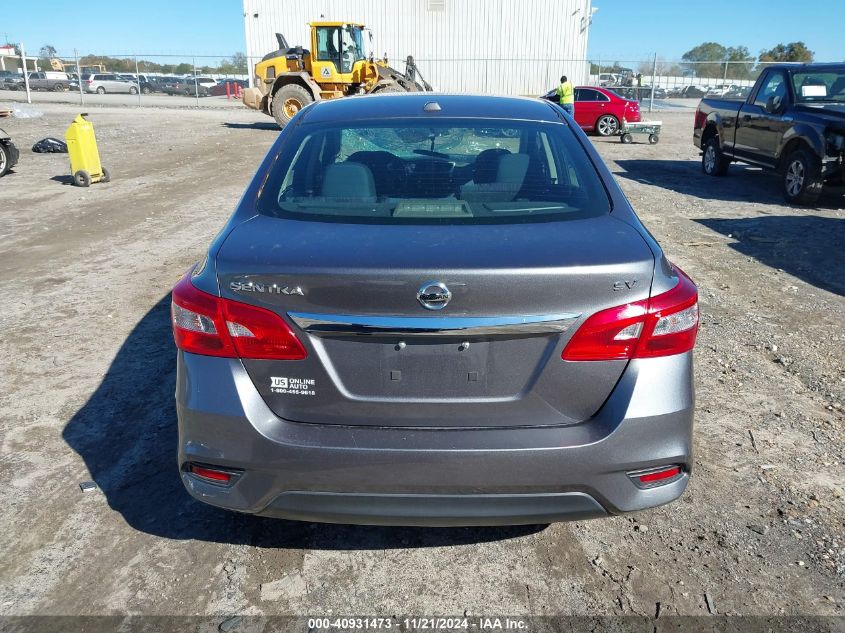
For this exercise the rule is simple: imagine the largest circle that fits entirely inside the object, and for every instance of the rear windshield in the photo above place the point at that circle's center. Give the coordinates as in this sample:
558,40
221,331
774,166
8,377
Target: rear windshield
418,171
821,86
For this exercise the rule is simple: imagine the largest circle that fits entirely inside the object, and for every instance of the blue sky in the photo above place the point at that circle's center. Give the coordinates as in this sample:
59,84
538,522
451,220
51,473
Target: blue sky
638,29
622,29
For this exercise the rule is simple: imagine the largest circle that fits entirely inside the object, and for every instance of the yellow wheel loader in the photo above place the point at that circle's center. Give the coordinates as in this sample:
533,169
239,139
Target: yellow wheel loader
290,78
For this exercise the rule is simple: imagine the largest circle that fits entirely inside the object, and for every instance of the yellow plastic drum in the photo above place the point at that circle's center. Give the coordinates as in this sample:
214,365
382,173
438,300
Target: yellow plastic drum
84,155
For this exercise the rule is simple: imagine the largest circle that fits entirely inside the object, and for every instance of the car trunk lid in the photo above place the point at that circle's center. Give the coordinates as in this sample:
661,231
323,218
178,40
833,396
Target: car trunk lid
490,357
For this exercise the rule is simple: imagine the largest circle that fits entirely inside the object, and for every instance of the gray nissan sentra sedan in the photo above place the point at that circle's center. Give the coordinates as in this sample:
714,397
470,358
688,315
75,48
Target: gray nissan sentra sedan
434,310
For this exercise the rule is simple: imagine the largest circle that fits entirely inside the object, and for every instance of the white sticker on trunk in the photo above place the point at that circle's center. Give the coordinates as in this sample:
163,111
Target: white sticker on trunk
293,386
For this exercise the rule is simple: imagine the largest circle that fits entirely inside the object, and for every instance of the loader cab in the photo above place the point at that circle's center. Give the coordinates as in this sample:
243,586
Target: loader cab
338,48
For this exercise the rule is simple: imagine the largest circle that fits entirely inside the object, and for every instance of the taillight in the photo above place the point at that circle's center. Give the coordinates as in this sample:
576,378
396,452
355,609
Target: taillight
214,326
700,120
663,325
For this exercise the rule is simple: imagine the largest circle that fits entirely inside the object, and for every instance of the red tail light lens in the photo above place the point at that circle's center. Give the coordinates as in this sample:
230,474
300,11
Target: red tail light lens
664,325
219,476
659,475
700,120
214,326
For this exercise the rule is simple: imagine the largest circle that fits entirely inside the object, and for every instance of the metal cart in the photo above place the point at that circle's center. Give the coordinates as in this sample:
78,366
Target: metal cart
652,128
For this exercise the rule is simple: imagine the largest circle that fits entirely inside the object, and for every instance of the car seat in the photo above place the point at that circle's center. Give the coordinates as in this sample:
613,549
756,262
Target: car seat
510,174
350,181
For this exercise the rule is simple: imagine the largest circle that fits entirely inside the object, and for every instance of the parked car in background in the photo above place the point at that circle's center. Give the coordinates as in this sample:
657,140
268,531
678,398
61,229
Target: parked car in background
157,82
600,110
737,92
10,80
190,86
692,92
141,81
793,121
609,79
219,89
55,81
8,153
719,90
175,86
107,82
434,377
640,93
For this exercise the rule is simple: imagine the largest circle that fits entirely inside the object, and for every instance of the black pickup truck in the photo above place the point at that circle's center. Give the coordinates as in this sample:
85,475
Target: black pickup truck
793,121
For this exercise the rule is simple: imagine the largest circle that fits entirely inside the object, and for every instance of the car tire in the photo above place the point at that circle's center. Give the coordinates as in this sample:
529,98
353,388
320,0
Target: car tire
133,90
5,160
145,90
106,175
802,178
101,91
287,101
713,162
59,88
82,178
607,125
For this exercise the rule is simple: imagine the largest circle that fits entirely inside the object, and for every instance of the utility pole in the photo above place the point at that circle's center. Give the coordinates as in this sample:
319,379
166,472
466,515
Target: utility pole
79,77
25,74
653,79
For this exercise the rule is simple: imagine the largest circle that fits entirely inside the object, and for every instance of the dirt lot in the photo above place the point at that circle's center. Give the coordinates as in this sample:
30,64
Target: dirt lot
87,379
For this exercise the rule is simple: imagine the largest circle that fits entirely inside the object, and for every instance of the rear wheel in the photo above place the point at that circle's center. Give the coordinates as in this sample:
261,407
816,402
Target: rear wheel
145,90
106,175
287,101
802,178
133,90
713,162
82,178
59,88
607,125
5,160
101,91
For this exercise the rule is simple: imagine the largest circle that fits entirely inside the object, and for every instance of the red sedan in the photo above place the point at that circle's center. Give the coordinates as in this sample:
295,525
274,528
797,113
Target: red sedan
600,110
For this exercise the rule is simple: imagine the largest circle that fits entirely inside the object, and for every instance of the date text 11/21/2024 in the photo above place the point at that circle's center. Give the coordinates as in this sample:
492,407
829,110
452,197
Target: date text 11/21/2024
421,623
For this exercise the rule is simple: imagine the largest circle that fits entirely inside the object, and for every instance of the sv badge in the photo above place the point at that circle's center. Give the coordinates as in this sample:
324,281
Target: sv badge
625,284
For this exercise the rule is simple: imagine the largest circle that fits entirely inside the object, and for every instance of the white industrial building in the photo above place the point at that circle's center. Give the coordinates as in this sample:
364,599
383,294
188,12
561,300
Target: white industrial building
480,46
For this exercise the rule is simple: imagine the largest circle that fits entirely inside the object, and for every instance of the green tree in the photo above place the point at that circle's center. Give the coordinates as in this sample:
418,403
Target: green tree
741,64
703,60
47,51
183,69
239,61
792,52
713,60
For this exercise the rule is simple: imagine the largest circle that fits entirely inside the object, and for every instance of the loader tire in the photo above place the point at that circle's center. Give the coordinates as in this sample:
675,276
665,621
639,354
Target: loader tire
287,101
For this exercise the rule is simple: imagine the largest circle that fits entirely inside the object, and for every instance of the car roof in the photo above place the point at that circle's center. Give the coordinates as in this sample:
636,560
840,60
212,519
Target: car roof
410,105
825,66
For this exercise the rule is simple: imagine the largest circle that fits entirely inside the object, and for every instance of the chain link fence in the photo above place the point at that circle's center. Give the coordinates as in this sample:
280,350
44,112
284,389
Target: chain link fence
218,80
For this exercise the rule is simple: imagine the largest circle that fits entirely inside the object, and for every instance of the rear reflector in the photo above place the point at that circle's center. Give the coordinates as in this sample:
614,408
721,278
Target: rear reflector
663,325
660,475
214,326
218,476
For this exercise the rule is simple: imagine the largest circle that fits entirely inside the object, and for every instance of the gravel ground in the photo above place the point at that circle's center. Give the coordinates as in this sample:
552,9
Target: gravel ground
86,393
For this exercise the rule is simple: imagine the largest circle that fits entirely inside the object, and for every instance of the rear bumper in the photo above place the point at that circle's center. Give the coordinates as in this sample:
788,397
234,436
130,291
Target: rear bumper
404,476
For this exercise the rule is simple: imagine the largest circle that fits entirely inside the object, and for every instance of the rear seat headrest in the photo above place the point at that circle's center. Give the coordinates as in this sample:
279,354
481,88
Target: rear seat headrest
349,180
